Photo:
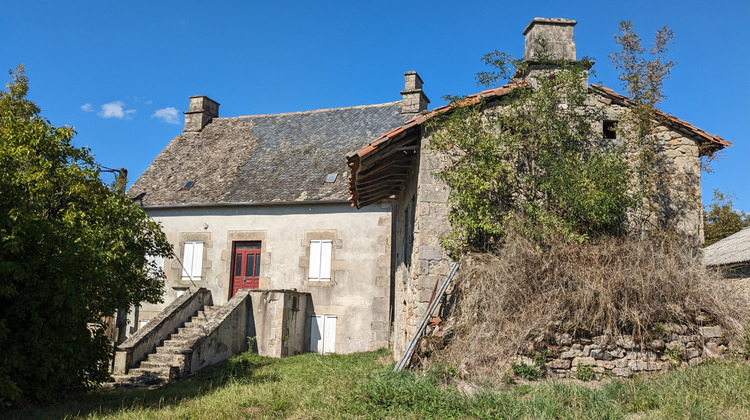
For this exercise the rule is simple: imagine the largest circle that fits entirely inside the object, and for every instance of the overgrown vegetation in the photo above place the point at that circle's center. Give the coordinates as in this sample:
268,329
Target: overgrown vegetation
360,386
532,164
72,251
722,219
515,301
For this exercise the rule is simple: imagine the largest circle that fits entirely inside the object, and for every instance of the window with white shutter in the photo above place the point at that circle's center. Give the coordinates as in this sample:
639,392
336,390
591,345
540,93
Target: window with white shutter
192,261
320,260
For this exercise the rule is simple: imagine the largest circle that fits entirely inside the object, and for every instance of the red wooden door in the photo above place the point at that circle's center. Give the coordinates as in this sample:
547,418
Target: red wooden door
246,270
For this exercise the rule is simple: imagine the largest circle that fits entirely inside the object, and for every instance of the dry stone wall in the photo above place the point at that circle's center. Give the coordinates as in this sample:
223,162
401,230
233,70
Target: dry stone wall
624,357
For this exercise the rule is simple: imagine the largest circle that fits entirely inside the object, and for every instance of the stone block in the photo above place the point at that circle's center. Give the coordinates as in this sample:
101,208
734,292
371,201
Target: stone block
605,364
622,372
586,361
626,342
653,366
711,350
711,332
692,353
427,252
558,364
621,363
598,354
598,369
379,315
637,365
657,344
571,354
617,353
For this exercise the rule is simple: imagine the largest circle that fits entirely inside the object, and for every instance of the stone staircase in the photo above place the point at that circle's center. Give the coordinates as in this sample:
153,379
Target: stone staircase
164,365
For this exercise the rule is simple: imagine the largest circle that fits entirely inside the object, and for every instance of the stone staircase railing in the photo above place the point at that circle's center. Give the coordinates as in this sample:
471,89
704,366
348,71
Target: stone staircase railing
138,346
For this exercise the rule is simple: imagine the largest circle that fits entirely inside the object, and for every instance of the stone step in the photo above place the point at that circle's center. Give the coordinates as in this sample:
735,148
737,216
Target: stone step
173,344
189,330
155,366
123,381
167,350
160,358
148,376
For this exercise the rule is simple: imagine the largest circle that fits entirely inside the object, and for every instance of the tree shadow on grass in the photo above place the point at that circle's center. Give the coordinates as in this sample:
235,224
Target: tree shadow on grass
242,369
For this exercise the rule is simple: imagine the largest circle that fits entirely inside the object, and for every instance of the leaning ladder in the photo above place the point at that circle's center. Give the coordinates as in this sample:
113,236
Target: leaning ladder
435,302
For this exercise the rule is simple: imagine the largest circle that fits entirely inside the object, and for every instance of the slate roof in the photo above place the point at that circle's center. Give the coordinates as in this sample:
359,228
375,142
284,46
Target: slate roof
734,249
265,158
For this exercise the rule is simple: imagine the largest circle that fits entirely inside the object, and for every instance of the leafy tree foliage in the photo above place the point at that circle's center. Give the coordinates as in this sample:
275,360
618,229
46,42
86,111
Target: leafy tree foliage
531,163
72,251
535,160
722,219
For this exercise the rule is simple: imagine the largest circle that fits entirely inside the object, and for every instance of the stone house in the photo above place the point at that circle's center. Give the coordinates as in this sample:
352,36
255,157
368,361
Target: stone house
261,202
399,165
266,202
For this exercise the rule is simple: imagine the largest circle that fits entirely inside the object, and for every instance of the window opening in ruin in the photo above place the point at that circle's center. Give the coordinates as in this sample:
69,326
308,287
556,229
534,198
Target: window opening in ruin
609,129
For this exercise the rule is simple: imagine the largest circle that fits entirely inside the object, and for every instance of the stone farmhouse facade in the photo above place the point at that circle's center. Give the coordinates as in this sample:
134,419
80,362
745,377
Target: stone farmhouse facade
400,165
261,202
342,204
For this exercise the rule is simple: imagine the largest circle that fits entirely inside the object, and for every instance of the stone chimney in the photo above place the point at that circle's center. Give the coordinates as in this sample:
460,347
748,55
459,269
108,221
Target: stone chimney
201,111
555,34
415,101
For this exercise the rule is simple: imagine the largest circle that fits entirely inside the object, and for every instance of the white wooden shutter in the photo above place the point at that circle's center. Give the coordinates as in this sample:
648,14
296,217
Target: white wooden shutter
320,260
323,334
314,274
192,261
325,260
329,334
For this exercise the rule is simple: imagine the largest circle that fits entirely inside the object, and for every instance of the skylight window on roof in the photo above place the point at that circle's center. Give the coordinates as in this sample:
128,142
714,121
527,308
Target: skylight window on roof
187,186
331,178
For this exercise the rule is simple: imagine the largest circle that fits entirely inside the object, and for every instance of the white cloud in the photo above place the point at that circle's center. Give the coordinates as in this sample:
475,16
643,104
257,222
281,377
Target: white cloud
87,107
115,110
169,115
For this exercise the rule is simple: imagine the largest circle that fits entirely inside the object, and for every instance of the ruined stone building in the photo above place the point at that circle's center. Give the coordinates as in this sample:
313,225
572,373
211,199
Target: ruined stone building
399,165
267,202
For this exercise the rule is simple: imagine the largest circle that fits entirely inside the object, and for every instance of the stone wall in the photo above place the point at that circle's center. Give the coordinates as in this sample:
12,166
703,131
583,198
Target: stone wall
623,357
680,204
425,199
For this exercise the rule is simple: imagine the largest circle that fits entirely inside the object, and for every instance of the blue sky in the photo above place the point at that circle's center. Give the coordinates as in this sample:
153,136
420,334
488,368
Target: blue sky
121,72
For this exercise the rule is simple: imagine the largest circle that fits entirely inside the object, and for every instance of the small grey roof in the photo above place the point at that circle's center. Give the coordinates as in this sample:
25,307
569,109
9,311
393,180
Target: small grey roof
265,158
733,249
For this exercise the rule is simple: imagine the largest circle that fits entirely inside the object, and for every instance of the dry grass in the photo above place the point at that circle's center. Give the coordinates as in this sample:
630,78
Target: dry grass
515,301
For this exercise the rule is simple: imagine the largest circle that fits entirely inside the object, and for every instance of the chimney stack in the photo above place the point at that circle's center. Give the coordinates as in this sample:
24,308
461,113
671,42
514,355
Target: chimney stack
415,101
201,111
557,36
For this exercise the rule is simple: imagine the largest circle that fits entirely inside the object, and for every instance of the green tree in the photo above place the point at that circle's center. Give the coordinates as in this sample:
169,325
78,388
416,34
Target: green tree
534,161
722,219
531,163
72,251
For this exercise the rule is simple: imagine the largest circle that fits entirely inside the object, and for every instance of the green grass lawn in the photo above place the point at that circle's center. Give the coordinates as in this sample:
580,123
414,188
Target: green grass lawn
311,386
